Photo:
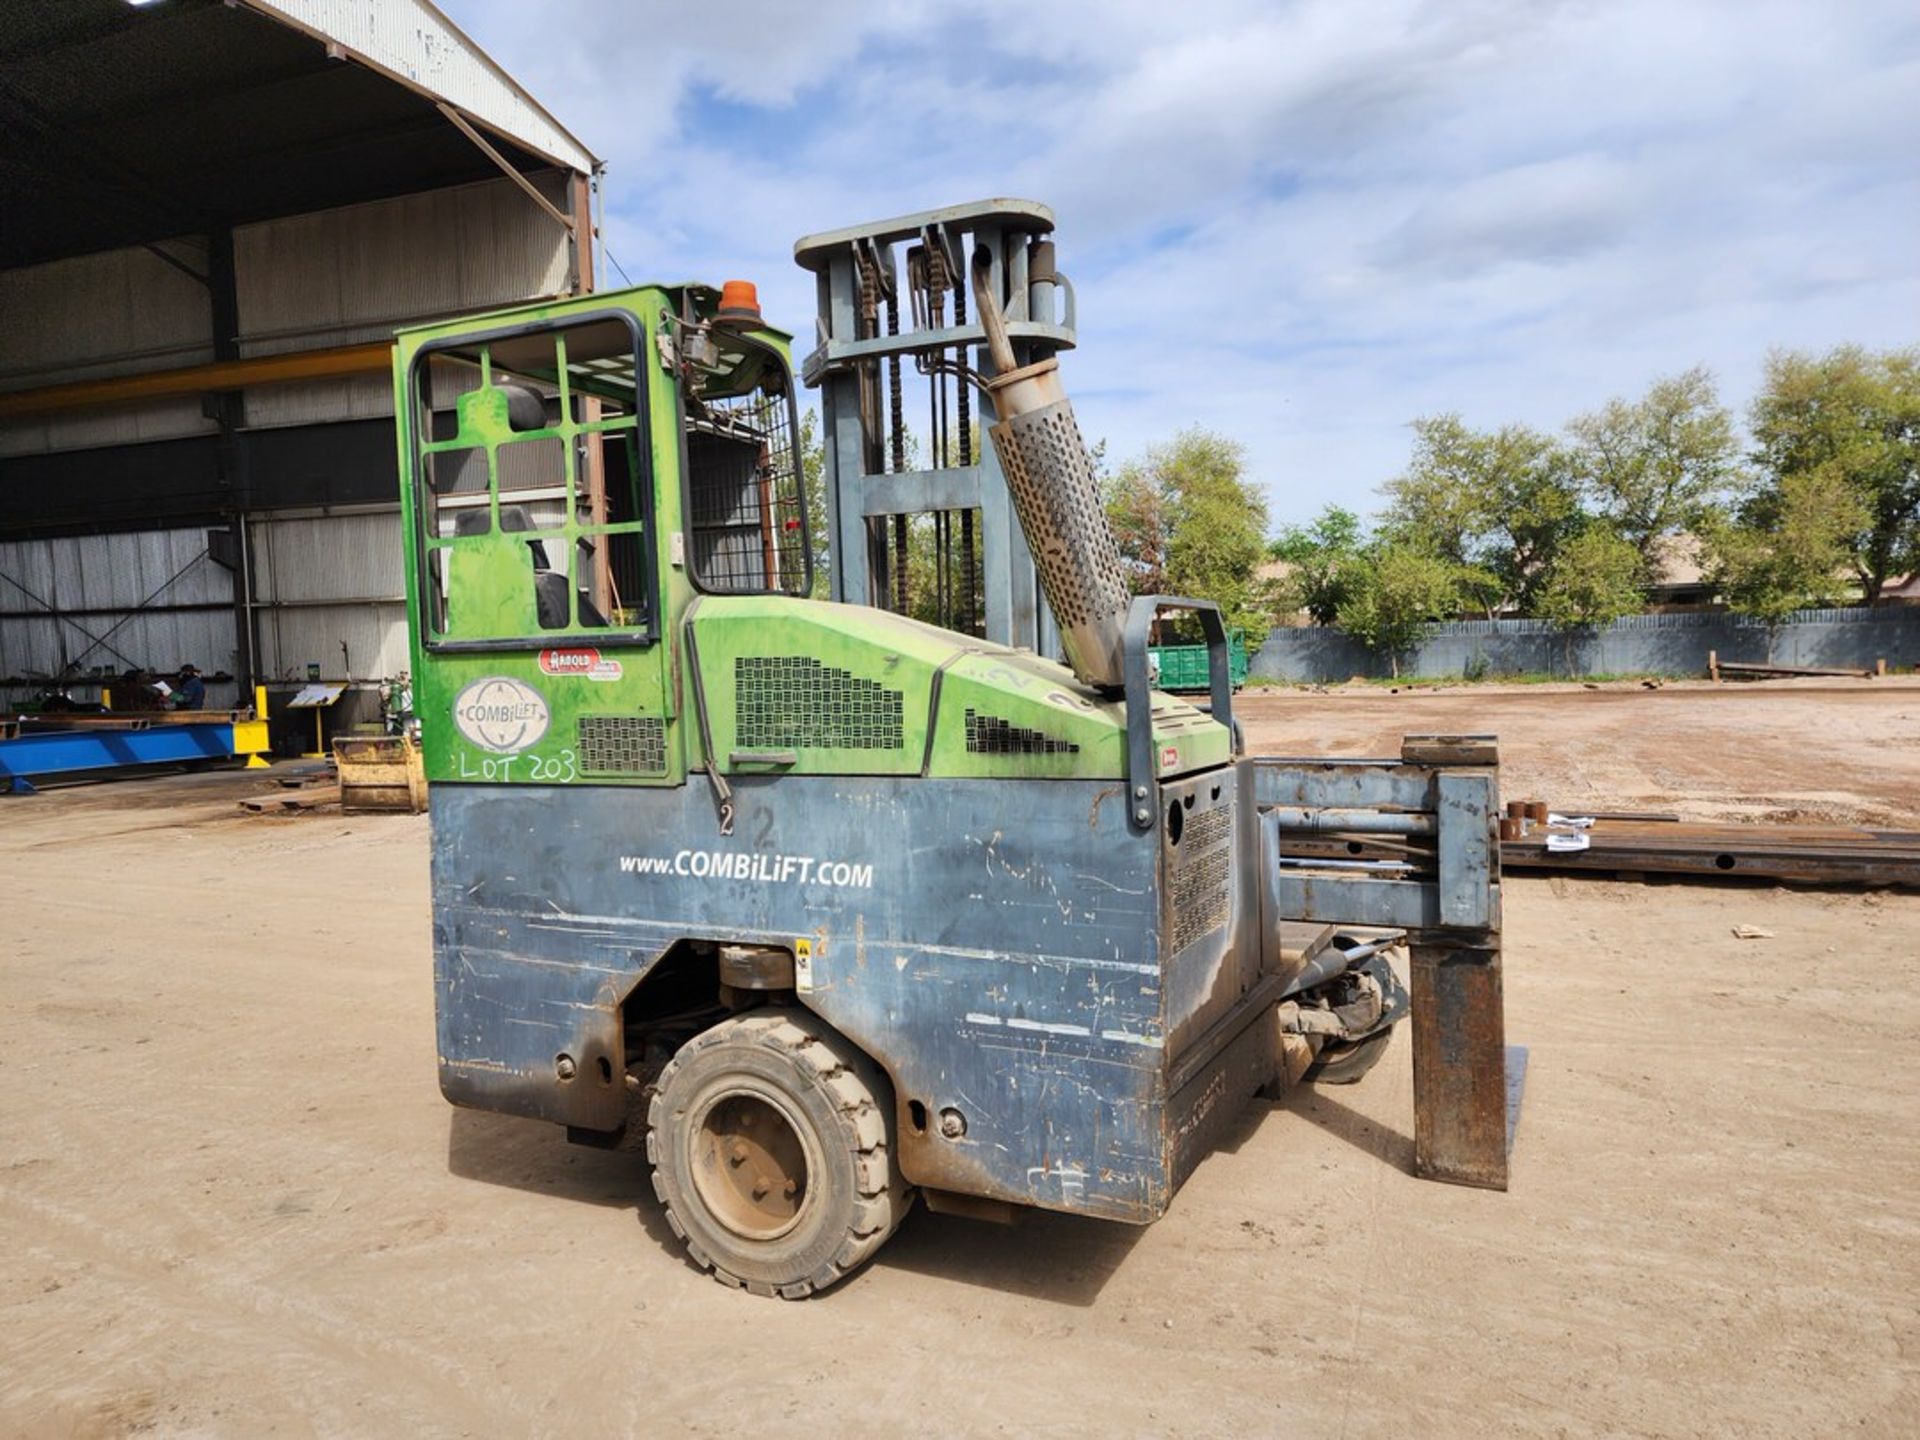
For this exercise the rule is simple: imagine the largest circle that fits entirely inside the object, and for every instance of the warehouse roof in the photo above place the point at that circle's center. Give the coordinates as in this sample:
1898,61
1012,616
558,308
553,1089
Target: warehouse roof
127,123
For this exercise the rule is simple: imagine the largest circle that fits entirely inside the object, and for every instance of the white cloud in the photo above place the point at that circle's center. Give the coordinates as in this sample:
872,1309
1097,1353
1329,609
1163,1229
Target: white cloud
1300,224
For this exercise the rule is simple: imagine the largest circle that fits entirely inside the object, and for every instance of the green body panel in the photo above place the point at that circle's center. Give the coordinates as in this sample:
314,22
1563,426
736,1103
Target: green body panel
849,689
999,712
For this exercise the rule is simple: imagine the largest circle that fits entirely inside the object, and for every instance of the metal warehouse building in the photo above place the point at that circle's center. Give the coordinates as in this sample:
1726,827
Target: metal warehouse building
212,215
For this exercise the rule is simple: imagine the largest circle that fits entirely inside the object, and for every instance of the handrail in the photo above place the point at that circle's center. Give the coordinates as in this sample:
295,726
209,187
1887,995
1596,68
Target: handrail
1139,690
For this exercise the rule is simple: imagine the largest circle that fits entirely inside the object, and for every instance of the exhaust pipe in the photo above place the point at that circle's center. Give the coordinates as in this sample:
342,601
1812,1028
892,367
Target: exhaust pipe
1057,498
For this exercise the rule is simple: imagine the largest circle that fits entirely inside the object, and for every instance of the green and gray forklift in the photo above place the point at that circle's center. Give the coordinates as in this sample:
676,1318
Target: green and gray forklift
920,890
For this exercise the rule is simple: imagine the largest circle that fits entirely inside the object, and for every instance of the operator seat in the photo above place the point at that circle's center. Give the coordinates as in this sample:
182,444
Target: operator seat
549,585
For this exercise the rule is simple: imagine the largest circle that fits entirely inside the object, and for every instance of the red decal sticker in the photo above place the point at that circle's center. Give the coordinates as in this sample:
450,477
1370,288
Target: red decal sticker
584,661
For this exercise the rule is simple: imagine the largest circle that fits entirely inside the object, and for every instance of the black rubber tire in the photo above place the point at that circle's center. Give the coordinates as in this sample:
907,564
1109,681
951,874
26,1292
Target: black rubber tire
1342,1064
839,1106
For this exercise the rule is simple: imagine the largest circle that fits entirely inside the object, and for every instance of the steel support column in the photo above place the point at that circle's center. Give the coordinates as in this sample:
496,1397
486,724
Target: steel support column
226,408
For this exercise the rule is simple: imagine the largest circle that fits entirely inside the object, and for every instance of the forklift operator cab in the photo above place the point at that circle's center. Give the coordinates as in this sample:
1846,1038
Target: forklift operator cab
535,452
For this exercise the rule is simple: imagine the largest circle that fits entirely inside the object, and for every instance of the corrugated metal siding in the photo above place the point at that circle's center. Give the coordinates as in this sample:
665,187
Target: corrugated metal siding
417,42
94,316
375,637
340,276
318,581
84,317
157,642
113,574
108,425
359,397
356,558
105,571
1669,620
1668,644
334,557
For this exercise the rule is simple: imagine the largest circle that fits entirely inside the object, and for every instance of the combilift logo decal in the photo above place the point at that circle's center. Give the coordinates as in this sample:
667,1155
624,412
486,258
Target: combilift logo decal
501,714
585,662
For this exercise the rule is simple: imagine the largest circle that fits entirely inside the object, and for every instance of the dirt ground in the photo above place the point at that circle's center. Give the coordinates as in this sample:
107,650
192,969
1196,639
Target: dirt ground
1788,752
233,1202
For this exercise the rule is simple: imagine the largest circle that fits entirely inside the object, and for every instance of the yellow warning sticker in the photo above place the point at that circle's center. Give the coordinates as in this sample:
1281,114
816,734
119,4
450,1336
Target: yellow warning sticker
803,964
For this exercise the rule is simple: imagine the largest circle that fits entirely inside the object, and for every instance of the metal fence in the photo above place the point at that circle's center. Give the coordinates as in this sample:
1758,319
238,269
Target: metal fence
1661,644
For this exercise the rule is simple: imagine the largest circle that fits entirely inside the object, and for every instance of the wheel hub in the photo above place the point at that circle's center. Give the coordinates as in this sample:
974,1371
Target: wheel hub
750,1166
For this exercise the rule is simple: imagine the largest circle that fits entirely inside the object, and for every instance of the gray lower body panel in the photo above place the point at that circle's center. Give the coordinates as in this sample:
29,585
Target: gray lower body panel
994,947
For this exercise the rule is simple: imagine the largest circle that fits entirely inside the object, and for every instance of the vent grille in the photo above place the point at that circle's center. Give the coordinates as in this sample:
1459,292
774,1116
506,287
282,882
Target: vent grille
990,735
795,702
622,745
1199,895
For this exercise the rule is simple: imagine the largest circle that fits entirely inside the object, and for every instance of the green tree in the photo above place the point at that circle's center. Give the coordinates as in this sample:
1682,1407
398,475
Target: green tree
1851,418
1323,558
1593,581
1440,504
1137,511
1500,501
1534,510
1400,591
1188,519
1789,546
1657,465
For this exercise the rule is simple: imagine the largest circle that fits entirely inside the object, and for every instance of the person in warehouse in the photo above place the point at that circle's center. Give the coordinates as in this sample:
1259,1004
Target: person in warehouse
189,691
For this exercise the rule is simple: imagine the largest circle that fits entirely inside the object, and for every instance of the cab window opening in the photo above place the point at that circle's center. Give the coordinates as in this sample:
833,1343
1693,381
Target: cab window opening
747,521
532,515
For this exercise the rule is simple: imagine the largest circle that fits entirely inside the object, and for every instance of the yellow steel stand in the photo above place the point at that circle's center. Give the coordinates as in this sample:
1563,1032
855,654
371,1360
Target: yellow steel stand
250,736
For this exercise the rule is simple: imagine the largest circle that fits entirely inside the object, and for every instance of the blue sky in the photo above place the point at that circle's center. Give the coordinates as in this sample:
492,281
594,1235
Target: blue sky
1302,224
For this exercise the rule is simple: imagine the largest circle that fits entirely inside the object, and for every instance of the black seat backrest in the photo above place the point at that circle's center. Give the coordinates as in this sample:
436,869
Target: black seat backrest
525,408
550,599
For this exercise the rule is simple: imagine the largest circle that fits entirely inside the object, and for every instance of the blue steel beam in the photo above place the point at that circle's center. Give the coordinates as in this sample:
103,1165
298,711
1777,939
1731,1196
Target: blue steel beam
63,752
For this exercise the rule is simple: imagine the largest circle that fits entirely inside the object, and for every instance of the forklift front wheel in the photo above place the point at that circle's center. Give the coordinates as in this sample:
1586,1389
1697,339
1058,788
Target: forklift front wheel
771,1140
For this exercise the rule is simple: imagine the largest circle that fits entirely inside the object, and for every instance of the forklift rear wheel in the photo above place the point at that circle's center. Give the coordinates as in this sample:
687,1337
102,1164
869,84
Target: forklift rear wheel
1342,1064
771,1140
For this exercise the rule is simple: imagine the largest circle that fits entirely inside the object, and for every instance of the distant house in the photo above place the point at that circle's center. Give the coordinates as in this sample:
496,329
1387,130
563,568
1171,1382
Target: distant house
1679,578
